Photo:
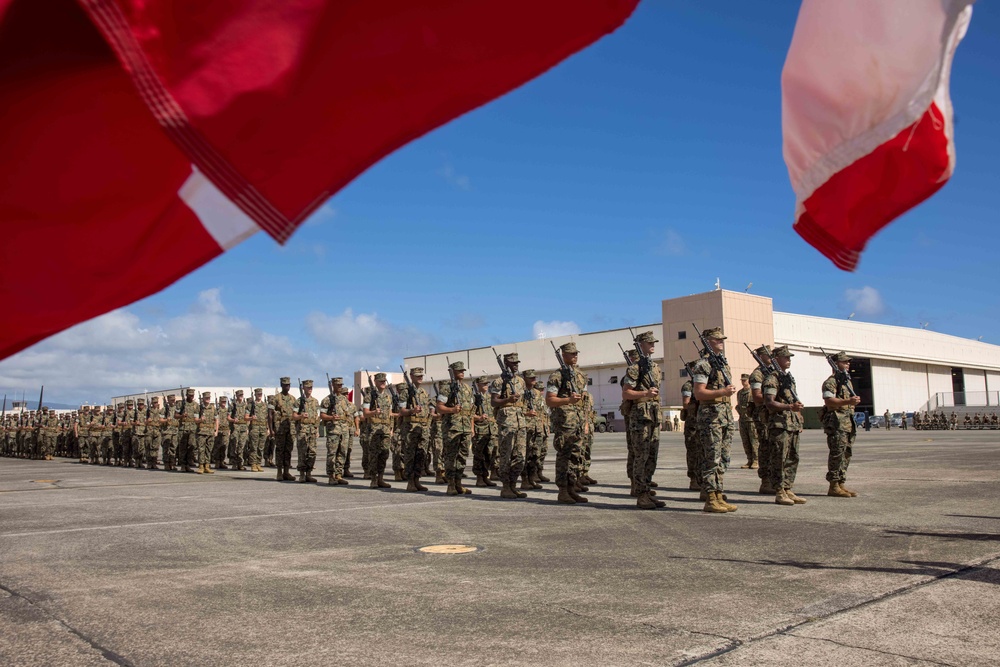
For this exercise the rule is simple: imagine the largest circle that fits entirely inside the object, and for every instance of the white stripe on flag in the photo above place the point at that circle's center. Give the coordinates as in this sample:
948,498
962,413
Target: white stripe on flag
227,224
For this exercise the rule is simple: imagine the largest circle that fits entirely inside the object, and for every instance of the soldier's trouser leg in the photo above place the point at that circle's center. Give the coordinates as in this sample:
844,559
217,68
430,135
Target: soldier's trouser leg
415,452
785,458
511,455
269,447
206,447
645,440
438,453
168,446
840,444
746,437
255,445
378,452
568,443
241,453
107,449
530,453
306,450
219,445
480,455
715,439
153,447
543,449
693,450
283,445
588,446
336,452
456,450
630,451
231,448
366,443
764,452
350,447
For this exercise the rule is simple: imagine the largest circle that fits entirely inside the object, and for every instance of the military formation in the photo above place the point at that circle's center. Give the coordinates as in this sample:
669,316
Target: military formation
503,424
938,421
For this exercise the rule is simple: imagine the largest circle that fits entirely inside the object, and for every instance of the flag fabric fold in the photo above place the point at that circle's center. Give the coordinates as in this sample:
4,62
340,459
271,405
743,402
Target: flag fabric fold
866,115
142,138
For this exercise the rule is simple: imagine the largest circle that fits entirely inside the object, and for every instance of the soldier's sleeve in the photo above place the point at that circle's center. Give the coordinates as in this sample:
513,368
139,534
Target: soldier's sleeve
830,387
770,387
700,372
756,379
552,386
687,389
496,386
631,379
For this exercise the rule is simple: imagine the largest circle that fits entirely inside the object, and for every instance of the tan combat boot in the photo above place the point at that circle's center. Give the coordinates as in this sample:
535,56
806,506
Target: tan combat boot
380,481
527,484
452,491
588,479
794,498
287,475
373,484
411,484
781,498
564,496
480,482
652,484
397,475
208,470
579,487
722,500
439,478
852,493
461,489
836,491
694,485
278,476
507,492
541,478
488,480
712,504
633,492
644,502
309,478
571,490
766,488
416,480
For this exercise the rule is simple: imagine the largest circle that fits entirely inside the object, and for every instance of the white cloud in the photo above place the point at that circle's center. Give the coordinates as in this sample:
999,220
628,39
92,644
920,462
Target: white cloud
460,181
670,243
555,328
119,352
866,301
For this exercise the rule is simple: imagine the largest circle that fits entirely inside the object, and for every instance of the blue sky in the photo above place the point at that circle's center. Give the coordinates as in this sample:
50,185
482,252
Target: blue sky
640,169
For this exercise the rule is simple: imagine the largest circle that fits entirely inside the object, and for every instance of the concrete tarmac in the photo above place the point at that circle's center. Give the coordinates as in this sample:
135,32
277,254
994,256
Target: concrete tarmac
103,565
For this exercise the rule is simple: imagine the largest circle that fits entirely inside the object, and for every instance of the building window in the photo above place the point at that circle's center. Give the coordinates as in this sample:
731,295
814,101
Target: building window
590,382
613,379
683,372
682,335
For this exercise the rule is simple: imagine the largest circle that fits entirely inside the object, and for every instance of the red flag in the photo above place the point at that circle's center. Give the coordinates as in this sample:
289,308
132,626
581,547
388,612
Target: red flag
866,115
142,138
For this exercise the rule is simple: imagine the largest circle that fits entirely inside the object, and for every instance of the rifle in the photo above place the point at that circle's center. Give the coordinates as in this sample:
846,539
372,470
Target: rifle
302,397
716,360
764,368
411,391
373,401
4,413
40,394
645,364
684,367
333,396
394,394
566,381
253,403
505,375
843,378
478,398
183,402
783,376
628,360
453,388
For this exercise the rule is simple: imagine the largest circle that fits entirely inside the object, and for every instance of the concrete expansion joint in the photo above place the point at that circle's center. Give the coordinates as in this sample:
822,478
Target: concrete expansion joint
871,650
787,630
106,653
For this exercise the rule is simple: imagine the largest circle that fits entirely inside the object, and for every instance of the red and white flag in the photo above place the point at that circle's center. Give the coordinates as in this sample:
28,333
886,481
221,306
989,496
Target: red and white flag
142,138
866,115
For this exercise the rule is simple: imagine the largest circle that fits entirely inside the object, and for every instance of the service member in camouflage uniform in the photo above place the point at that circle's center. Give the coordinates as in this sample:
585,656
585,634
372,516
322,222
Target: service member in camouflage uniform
154,432
715,420
208,430
83,432
838,424
284,405
534,414
565,398
643,396
437,435
221,446
761,419
259,428
170,433
485,443
139,433
415,414
239,424
457,407
337,413
507,400
306,419
107,427
268,451
748,430
692,440
398,432
378,412
187,439
785,425
588,438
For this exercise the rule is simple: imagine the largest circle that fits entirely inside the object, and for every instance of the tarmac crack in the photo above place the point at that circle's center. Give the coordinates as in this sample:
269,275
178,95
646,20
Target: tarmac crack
105,652
873,650
787,629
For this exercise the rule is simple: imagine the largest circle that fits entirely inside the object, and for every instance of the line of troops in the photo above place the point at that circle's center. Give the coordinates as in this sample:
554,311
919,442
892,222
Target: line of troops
936,421
503,424
770,425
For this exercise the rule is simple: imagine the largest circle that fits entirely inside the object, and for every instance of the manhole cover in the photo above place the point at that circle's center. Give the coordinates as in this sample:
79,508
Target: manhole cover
45,481
448,549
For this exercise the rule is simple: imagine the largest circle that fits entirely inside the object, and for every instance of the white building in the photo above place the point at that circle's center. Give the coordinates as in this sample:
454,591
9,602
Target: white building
899,369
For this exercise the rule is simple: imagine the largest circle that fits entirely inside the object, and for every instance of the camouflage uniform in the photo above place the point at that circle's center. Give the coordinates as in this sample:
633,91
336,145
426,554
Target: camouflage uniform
568,423
187,437
398,431
458,431
307,433
208,429
534,401
784,429
238,419
625,409
170,433
365,437
761,418
745,408
839,427
485,443
437,437
380,433
139,433
588,437
154,433
222,439
643,422
284,406
338,431
417,432
257,430
107,426
715,420
692,441
511,425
